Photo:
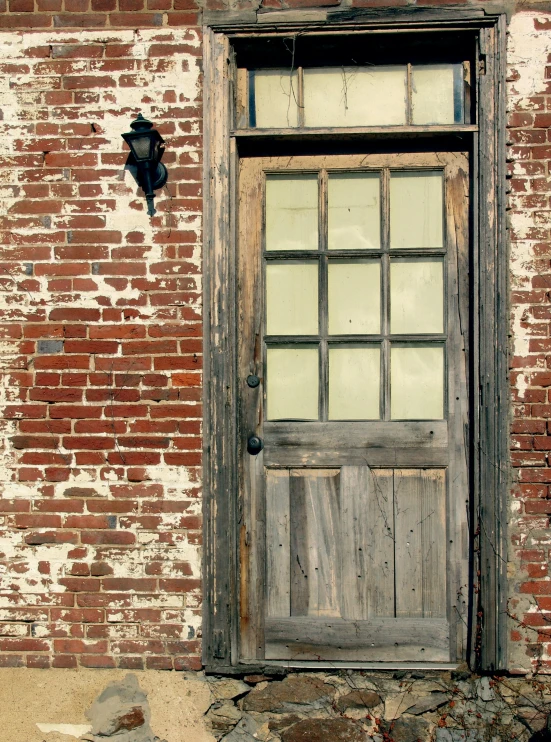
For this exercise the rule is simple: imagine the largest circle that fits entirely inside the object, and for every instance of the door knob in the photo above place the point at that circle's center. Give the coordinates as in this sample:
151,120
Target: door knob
254,445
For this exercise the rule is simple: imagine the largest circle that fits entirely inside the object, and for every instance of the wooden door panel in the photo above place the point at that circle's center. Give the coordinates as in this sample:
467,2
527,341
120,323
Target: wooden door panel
315,521
353,532
420,525
278,554
376,445
374,640
367,543
347,546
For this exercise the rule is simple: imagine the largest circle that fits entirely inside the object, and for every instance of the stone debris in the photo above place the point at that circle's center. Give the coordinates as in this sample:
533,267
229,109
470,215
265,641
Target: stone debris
285,695
458,735
121,712
223,717
358,699
429,703
352,706
325,730
228,688
407,729
245,731
485,690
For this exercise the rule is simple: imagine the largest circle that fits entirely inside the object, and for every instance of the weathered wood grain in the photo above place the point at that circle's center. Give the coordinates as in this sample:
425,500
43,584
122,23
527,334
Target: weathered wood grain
380,543
250,405
373,457
408,553
490,421
219,451
432,434
314,542
278,548
372,131
353,542
458,300
378,639
421,574
434,558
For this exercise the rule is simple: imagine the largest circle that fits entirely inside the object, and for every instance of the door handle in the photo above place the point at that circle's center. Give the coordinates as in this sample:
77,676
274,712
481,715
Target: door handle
254,445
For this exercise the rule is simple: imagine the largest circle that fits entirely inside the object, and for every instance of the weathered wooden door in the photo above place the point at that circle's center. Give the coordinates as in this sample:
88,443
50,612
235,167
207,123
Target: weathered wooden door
353,400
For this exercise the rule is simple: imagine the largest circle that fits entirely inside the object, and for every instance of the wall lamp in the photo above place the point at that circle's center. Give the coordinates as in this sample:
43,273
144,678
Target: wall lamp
146,149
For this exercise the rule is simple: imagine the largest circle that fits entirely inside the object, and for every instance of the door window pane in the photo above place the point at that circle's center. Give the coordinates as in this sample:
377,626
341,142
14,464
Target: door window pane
354,293
416,209
292,298
436,94
292,383
417,382
354,383
355,96
354,218
417,296
274,98
292,212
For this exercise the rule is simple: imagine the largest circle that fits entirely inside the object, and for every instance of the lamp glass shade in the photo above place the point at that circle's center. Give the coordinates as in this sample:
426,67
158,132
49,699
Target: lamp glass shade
141,146
156,145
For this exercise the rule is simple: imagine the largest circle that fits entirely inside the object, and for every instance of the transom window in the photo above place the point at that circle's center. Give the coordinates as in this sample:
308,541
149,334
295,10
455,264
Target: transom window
374,95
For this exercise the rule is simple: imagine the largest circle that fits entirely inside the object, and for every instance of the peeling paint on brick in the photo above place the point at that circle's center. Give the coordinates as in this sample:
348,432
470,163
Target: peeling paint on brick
530,251
100,516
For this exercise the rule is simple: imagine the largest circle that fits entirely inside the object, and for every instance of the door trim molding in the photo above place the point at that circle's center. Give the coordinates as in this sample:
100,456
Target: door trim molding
489,428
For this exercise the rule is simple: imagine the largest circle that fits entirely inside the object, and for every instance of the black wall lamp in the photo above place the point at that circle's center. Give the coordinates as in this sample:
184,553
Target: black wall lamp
146,149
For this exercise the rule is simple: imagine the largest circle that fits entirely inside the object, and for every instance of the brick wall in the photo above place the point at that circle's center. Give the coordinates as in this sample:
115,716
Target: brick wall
100,351
100,338
529,139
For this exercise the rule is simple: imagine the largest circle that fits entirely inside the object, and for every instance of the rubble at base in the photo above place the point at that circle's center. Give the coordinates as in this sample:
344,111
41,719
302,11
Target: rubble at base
354,706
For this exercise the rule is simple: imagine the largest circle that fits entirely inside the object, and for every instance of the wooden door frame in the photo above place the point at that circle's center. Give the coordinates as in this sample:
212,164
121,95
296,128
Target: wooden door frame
490,414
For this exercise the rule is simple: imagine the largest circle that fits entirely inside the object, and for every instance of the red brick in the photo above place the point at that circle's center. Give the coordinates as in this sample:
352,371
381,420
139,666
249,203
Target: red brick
98,661
117,331
108,537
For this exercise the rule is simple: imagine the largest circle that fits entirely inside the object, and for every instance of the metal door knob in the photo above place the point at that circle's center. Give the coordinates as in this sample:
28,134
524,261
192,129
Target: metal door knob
254,445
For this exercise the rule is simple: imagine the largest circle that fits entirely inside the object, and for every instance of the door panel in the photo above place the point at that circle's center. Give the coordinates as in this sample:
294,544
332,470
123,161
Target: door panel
376,640
315,521
354,514
354,544
420,531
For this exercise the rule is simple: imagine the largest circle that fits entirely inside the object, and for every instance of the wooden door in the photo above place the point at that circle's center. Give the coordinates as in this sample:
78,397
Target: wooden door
352,372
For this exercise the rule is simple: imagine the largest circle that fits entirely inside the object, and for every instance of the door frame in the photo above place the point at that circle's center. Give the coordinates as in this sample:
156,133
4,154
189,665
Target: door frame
489,416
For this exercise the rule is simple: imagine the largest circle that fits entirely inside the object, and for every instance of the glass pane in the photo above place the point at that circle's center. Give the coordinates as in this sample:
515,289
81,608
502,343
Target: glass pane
292,383
292,212
354,293
437,94
274,96
354,214
292,298
354,383
355,96
417,382
417,296
416,209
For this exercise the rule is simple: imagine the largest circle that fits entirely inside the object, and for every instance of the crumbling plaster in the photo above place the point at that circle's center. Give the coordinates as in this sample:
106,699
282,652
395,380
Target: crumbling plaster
178,702
529,44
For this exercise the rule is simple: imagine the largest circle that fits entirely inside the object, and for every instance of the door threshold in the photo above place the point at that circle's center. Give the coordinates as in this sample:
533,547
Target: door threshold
306,665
